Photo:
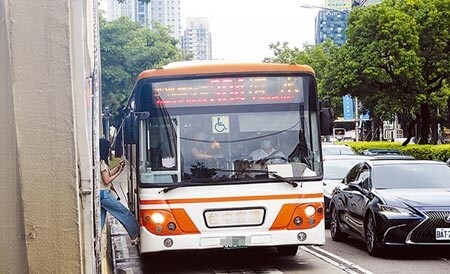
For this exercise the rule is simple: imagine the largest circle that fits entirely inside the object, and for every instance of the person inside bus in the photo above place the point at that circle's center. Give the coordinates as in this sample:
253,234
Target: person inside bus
107,202
267,154
204,149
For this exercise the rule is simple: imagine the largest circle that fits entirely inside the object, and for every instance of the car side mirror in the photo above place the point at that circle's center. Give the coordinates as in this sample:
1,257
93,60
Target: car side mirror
358,185
355,185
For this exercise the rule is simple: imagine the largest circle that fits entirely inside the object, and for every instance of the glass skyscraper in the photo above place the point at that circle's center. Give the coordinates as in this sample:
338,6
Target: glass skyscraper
331,24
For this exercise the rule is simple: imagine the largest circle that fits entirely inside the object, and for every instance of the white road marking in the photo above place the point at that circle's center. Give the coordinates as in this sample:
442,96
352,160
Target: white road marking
249,271
335,260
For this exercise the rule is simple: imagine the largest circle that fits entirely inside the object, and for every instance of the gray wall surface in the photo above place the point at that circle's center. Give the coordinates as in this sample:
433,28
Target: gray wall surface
40,206
12,235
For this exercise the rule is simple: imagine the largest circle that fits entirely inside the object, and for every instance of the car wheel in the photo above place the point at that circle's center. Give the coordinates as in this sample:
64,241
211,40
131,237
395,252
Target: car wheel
287,250
374,247
336,234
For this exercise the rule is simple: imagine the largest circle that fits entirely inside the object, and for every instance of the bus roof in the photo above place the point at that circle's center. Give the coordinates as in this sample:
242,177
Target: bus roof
215,67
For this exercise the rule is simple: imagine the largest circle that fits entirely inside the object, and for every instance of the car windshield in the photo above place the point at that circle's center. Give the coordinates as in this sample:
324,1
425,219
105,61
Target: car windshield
337,150
411,175
338,168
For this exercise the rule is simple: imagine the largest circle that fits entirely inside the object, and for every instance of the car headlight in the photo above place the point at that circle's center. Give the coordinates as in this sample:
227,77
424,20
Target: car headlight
388,210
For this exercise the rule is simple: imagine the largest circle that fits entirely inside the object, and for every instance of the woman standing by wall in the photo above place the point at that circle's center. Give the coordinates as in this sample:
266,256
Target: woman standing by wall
109,203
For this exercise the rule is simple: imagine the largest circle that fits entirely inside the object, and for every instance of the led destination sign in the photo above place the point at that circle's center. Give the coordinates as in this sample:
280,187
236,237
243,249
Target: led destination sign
226,91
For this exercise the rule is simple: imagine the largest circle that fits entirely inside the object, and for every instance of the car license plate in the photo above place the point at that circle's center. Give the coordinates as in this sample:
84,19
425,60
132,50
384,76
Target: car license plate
442,233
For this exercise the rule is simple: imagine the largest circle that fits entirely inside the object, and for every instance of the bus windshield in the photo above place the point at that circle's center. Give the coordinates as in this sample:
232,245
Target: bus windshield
233,128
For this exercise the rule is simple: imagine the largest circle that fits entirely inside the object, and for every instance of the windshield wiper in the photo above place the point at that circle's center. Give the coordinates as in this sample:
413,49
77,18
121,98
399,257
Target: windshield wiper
273,173
169,188
197,180
292,183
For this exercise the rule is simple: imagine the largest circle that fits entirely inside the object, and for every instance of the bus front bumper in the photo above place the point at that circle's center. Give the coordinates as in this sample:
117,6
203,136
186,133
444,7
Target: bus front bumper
150,243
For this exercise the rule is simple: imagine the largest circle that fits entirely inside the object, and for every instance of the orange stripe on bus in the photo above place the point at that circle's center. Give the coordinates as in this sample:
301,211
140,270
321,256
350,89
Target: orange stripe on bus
231,199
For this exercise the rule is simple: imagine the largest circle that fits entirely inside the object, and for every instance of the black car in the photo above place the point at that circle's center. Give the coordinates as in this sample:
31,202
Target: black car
387,154
335,167
393,202
381,151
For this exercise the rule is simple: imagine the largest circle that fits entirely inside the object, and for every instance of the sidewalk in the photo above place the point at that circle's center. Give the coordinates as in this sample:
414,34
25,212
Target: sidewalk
125,257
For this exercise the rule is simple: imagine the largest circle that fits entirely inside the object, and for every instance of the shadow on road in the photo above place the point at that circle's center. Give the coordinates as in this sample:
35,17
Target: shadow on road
258,260
407,252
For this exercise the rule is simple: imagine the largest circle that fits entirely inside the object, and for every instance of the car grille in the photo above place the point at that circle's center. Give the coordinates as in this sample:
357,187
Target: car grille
425,232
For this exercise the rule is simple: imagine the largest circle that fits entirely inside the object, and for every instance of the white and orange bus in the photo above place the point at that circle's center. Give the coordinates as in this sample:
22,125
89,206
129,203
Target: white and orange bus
224,197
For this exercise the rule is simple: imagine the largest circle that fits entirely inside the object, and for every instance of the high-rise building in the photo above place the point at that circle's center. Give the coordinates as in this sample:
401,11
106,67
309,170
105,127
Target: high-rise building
197,38
133,9
363,3
331,24
338,4
331,21
165,12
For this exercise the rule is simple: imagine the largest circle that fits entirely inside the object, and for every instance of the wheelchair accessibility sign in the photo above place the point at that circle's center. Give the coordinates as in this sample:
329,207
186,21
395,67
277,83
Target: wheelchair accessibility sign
220,124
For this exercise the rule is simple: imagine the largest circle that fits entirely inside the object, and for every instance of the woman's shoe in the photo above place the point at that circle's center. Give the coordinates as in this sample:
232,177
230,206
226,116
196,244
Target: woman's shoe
135,241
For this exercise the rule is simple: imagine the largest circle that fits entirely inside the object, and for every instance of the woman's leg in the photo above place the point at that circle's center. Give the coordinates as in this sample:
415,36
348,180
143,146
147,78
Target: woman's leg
121,213
103,216
102,210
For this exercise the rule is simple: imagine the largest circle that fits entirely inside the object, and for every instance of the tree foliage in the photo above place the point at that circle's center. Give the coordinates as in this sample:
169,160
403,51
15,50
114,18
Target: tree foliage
127,49
317,56
396,59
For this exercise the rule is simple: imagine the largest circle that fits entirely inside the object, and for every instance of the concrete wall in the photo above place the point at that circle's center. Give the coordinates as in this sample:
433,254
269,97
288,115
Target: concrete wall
12,235
41,222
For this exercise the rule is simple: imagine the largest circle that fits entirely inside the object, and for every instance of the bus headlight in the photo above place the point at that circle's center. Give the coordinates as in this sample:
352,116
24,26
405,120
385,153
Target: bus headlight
164,222
310,211
157,218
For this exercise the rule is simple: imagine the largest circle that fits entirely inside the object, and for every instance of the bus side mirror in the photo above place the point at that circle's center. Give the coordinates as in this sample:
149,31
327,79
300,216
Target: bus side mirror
131,126
128,129
326,121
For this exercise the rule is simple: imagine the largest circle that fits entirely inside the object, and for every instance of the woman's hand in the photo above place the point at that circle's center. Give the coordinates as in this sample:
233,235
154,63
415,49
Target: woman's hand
122,163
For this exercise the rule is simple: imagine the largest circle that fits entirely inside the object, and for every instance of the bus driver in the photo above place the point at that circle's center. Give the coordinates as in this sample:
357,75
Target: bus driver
267,154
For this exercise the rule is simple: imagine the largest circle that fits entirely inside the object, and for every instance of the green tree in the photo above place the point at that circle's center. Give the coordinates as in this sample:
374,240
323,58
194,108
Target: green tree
126,50
317,56
396,60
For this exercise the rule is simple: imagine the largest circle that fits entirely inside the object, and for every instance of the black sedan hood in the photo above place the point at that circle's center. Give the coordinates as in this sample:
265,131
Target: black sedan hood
418,198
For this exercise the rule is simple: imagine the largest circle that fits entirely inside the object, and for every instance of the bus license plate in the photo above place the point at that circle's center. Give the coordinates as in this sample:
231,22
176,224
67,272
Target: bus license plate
234,242
442,233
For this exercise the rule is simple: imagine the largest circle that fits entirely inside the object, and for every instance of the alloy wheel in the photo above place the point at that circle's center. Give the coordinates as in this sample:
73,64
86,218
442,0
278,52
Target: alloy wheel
370,234
374,247
335,229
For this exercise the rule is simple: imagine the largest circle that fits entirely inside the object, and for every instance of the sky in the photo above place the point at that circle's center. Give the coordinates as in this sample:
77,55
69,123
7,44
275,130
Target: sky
242,30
